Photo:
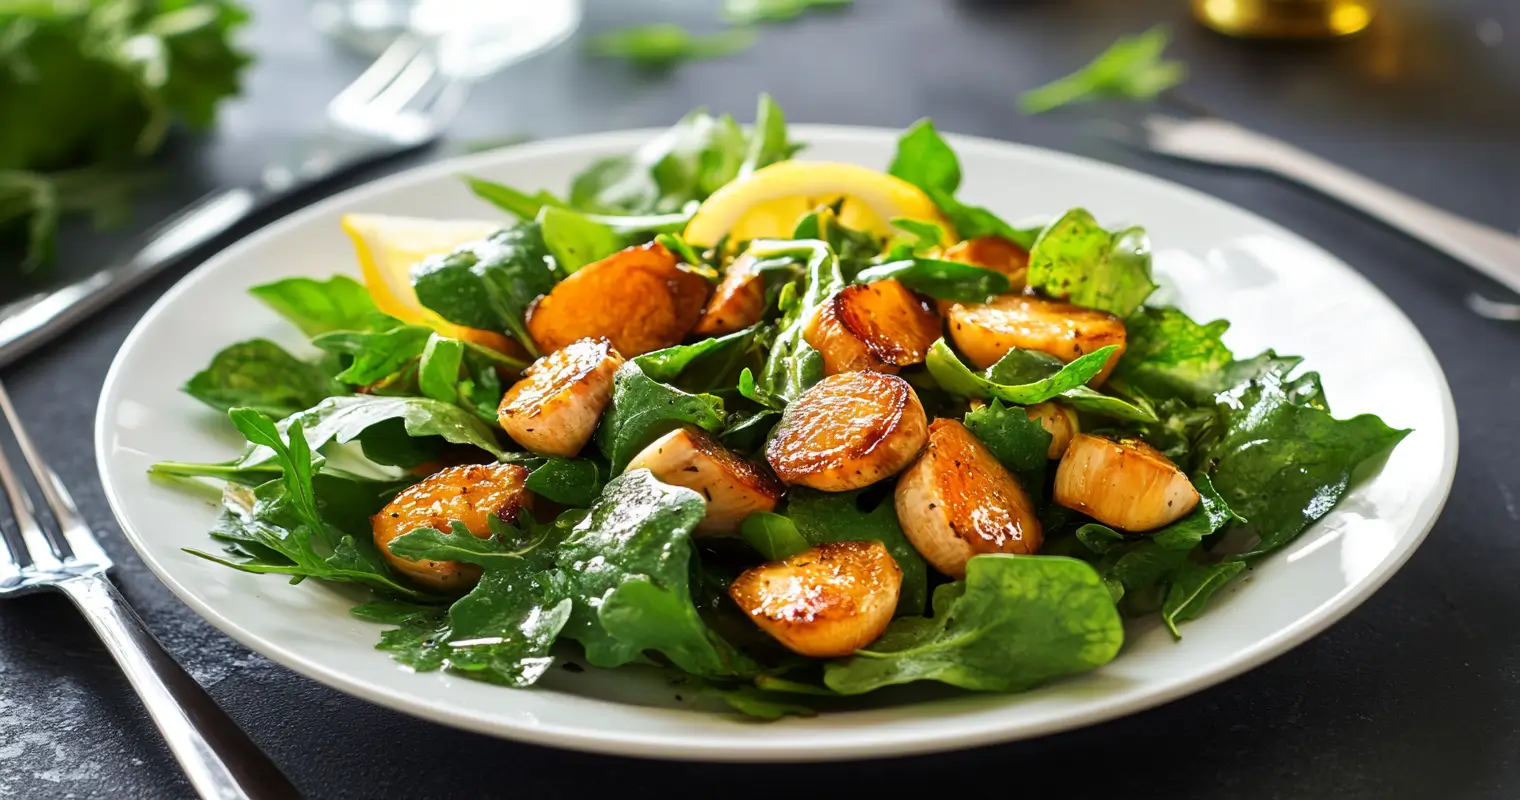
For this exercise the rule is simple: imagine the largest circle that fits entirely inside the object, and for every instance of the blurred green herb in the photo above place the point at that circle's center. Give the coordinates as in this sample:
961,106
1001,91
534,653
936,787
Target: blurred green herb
665,44
1132,69
750,11
89,89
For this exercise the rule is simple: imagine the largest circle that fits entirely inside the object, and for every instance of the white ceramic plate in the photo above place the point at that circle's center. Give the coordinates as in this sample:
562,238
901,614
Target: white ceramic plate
1277,289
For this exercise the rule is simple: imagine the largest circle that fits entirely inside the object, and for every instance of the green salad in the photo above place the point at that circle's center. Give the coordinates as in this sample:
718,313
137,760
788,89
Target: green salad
796,430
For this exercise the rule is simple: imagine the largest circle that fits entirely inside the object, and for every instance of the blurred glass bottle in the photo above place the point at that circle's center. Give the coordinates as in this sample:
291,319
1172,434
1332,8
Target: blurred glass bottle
472,38
1286,19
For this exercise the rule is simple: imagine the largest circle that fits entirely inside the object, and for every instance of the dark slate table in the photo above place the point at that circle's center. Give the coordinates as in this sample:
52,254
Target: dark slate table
1416,694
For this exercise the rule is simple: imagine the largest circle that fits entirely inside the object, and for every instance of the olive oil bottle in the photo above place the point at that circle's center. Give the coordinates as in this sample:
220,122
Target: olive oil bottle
1286,19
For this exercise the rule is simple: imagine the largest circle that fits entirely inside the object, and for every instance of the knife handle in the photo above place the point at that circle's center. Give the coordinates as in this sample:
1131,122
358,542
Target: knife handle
38,319
1491,252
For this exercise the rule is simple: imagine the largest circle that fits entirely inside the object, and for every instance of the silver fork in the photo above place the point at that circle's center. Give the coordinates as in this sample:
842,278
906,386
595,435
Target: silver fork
218,757
399,104
1213,140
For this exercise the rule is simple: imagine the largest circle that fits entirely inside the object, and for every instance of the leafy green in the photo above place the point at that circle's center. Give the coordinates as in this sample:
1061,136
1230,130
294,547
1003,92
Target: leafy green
927,161
1168,354
644,409
1075,259
753,702
1211,514
926,235
661,45
339,303
773,536
1131,69
528,207
942,280
89,90
280,527
345,419
792,364
1083,398
1014,623
1019,443
489,284
438,370
375,356
823,517
1023,377
259,374
575,240
1190,590
768,143
751,11
1282,465
626,565
568,481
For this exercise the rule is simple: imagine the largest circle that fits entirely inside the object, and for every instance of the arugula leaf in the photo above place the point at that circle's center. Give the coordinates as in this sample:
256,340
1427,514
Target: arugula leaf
339,303
661,45
1023,377
926,235
1019,443
1191,588
528,207
1283,465
1014,623
927,161
575,240
489,284
769,143
1083,398
823,517
344,419
573,482
438,371
626,565
1131,69
376,355
792,364
942,280
643,409
747,12
773,536
259,374
1076,260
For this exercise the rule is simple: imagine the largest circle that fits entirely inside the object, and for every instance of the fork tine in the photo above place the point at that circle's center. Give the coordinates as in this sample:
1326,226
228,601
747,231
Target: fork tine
39,548
76,533
380,74
407,85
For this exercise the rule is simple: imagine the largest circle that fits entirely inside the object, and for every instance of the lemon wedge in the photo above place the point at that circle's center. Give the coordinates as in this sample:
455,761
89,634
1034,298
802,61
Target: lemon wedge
388,246
769,202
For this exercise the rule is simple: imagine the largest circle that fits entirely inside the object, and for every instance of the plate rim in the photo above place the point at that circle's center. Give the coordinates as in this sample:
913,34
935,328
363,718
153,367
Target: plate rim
663,747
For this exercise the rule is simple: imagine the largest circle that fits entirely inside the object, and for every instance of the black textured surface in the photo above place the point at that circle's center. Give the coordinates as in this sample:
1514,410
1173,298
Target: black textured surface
1416,694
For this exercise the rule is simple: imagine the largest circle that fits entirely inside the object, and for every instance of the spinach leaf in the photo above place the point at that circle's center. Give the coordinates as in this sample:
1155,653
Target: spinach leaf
489,284
746,12
926,235
927,161
1211,514
281,528
1191,588
850,517
1015,623
1019,443
528,207
1132,69
773,536
768,143
1283,465
259,374
375,356
942,280
713,358
753,702
575,240
661,45
575,482
643,409
1075,259
438,371
792,364
344,419
1168,354
316,307
626,565
1084,398
1023,377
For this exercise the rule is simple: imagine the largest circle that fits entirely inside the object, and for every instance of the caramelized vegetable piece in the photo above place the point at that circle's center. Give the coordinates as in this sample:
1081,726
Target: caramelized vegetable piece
879,326
958,501
1058,421
994,253
985,332
825,602
640,299
554,409
737,303
1126,484
848,431
733,486
469,494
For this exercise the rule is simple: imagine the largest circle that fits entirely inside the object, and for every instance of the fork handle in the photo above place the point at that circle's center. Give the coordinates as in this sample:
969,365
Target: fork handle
1491,252
217,756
